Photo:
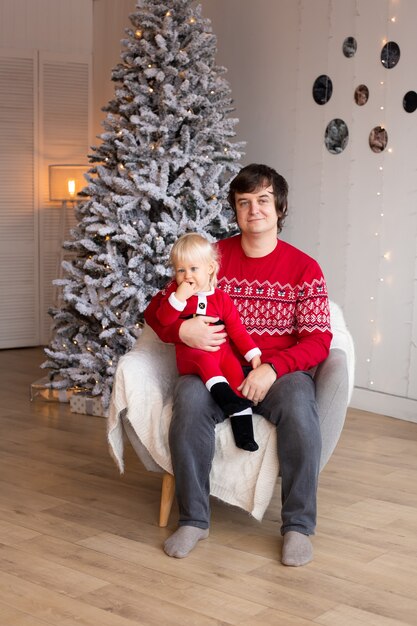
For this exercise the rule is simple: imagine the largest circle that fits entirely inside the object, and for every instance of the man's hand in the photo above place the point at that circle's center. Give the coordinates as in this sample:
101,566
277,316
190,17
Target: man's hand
197,333
257,383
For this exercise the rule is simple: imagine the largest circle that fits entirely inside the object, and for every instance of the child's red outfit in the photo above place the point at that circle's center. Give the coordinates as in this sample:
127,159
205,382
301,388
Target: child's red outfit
209,365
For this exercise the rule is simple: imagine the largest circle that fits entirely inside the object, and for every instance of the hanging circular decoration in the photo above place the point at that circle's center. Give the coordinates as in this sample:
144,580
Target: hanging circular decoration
378,139
349,47
410,101
322,89
361,95
336,136
390,55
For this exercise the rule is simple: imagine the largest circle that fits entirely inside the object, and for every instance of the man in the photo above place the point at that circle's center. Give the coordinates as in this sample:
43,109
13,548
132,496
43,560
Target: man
282,298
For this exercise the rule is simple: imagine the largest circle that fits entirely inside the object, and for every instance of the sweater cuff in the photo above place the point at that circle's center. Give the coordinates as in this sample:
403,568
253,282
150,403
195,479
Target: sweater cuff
175,303
273,367
254,352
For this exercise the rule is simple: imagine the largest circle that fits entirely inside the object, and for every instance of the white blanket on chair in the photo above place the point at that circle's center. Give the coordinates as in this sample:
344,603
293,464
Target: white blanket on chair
143,387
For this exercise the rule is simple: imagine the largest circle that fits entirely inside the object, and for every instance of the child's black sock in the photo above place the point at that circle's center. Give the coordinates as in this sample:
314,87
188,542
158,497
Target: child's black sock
228,400
231,404
242,427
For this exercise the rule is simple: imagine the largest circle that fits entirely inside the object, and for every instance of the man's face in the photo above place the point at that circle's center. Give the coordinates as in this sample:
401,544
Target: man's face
255,212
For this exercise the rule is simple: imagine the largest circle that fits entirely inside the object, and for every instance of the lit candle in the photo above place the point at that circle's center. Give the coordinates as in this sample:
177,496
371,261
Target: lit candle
71,187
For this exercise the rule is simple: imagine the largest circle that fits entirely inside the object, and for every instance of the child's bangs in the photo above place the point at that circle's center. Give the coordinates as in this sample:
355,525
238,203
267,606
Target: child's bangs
189,251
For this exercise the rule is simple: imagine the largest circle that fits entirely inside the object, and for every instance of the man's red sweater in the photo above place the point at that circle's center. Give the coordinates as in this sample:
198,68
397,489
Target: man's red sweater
282,300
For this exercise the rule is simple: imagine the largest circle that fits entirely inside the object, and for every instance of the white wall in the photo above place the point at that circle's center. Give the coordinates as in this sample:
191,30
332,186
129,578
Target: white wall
49,25
355,211
111,17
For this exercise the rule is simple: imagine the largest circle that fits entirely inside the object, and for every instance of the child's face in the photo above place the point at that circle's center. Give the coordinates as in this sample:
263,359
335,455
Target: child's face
197,274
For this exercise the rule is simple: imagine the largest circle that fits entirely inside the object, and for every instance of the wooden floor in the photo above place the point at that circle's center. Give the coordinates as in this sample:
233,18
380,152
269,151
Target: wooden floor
80,545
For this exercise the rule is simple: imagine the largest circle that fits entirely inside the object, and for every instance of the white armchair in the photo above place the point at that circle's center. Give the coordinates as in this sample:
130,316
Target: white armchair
141,407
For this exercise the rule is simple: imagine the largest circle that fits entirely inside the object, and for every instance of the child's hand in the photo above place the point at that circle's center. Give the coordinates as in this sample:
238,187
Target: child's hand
184,291
255,362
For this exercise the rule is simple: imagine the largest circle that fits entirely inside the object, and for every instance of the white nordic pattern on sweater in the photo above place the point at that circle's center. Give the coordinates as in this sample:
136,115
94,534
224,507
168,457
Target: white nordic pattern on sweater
280,309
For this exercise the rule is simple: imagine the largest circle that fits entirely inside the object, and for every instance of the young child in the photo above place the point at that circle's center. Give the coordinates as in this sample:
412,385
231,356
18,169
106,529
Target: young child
195,263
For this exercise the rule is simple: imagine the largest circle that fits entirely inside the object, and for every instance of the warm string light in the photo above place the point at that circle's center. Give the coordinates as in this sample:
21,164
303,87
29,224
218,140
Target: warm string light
384,257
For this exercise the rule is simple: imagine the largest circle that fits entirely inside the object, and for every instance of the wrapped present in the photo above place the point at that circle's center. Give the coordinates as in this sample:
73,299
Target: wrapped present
89,405
41,390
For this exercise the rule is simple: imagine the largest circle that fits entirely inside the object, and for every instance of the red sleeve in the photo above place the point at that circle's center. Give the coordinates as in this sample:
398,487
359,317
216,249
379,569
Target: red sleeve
170,333
166,313
313,332
311,350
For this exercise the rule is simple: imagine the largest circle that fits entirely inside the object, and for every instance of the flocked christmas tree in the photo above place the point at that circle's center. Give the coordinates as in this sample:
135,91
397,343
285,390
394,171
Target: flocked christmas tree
162,169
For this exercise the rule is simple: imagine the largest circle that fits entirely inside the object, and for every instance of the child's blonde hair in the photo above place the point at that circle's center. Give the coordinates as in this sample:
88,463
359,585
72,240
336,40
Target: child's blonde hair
191,247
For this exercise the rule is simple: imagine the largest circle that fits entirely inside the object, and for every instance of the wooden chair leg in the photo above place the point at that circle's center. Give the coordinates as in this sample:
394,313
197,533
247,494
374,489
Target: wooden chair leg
167,498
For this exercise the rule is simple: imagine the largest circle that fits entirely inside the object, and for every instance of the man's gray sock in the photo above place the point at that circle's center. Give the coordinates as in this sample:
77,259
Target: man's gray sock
184,540
297,549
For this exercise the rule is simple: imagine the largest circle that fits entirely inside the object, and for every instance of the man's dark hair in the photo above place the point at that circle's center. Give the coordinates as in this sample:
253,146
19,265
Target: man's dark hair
256,176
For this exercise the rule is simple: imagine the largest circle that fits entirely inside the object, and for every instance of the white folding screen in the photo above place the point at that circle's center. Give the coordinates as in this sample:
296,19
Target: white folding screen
64,134
44,120
19,247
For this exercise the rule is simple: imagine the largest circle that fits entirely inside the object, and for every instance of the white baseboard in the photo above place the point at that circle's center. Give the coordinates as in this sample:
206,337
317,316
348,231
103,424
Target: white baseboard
385,404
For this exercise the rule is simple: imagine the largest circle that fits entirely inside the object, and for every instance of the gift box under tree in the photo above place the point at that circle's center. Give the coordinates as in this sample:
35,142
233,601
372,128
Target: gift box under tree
42,389
87,404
